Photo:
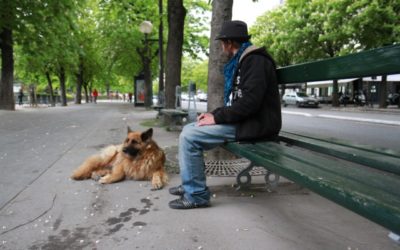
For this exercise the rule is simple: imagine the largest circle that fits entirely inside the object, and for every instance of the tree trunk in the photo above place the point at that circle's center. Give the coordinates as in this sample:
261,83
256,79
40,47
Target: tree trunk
50,85
62,86
79,83
107,90
89,89
221,12
161,47
32,95
176,21
7,70
383,93
85,89
335,97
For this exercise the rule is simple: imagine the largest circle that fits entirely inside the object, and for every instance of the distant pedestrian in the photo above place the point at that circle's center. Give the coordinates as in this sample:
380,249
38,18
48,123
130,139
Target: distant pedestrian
130,97
95,95
20,96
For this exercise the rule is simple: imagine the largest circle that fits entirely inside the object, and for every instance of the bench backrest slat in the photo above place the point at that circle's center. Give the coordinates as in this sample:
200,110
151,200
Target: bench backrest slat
388,161
376,62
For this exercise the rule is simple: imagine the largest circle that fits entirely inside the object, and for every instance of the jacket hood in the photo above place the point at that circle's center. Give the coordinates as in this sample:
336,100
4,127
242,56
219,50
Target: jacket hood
256,50
247,51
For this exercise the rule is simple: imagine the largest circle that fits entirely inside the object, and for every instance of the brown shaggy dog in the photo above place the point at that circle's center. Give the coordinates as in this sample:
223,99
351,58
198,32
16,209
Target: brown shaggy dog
138,158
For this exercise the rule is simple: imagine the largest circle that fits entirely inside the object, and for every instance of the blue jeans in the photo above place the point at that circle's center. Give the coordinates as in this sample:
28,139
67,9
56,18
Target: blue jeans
192,142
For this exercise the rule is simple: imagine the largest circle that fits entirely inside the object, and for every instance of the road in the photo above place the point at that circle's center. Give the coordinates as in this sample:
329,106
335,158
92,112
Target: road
372,128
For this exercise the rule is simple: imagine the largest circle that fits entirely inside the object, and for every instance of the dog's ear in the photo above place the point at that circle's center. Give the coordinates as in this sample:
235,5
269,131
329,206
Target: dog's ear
129,130
147,134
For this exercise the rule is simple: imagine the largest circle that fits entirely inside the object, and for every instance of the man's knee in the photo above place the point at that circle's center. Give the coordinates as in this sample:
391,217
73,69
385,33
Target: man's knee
188,132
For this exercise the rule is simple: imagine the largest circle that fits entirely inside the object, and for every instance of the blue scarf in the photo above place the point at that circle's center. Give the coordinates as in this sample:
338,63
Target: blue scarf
229,71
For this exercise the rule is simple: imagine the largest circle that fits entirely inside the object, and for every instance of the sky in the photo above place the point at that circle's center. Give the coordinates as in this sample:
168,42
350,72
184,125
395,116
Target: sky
247,11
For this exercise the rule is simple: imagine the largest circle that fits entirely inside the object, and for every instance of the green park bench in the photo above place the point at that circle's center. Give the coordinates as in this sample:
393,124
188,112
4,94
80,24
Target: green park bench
363,179
174,119
158,108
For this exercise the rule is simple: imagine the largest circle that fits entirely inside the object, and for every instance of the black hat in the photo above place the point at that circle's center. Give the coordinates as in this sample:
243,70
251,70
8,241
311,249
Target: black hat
234,30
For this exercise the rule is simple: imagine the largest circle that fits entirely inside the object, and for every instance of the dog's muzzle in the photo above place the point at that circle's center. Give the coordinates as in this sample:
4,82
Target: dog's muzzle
130,151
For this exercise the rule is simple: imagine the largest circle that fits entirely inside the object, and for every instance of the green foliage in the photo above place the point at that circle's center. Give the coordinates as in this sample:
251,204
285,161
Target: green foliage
120,38
306,30
101,37
375,23
196,35
44,35
194,71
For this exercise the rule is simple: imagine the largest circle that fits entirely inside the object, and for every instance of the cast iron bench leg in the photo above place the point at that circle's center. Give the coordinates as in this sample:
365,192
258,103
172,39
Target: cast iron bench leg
271,179
244,174
243,179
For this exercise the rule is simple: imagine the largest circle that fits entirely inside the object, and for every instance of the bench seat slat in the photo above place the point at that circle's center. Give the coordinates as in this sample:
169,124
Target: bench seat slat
174,112
371,201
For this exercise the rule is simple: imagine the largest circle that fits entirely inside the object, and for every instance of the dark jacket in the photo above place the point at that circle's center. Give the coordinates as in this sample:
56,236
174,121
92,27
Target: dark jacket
256,107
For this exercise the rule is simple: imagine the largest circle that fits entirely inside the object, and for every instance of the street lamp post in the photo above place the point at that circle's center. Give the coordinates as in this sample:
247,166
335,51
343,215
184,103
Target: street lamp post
146,28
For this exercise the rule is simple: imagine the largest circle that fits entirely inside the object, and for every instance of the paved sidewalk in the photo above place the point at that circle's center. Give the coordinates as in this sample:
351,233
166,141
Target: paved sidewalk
42,208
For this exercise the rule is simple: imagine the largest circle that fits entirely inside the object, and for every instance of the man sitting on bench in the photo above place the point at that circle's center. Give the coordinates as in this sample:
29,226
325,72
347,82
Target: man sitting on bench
253,113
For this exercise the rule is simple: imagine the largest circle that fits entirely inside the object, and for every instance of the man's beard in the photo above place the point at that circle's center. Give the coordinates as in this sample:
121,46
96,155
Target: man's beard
228,54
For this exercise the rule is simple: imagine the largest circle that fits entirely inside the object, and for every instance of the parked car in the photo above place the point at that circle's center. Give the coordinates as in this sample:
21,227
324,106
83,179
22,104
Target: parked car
202,97
185,96
155,99
300,99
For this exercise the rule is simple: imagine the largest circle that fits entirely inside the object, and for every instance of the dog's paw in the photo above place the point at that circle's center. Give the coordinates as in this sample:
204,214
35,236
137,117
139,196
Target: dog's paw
156,186
95,176
104,180
156,189
156,183
77,177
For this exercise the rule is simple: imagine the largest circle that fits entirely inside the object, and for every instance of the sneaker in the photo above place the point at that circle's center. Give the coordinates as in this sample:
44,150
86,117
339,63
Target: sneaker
183,203
177,190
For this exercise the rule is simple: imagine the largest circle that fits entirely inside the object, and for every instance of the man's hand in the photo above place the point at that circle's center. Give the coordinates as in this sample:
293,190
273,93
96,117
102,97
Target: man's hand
205,119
